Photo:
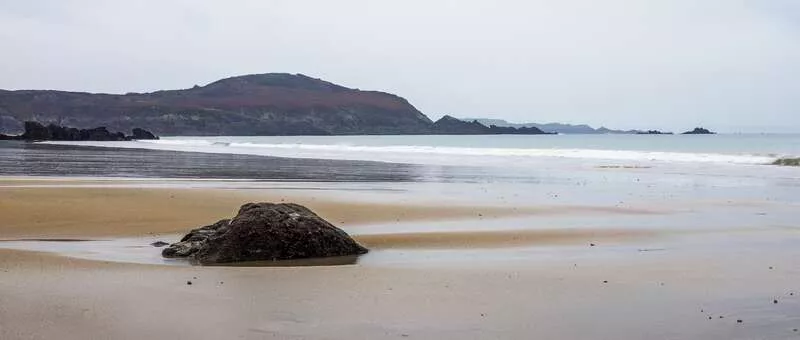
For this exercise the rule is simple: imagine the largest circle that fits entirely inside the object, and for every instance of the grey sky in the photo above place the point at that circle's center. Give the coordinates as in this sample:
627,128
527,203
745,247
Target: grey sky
732,65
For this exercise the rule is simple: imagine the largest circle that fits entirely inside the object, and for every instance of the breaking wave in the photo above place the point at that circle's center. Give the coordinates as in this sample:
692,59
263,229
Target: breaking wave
435,155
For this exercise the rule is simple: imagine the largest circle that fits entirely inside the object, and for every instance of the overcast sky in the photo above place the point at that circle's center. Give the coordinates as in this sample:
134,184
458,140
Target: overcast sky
730,65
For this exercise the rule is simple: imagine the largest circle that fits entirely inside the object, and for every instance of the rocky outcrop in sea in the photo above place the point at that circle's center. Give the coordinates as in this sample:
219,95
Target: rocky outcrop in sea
699,131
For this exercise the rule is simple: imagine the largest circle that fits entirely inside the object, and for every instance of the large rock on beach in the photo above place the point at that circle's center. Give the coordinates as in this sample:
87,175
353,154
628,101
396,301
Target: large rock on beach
265,232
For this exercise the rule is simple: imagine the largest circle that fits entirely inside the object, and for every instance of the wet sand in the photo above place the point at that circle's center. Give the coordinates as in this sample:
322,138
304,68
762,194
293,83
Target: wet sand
633,284
86,209
98,212
499,239
50,297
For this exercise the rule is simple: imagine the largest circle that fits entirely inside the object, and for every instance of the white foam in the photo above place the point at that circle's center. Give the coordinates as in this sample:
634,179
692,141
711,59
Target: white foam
435,155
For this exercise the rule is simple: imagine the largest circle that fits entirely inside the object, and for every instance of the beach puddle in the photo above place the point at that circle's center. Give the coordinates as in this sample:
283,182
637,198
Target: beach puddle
142,251
390,249
131,250
321,261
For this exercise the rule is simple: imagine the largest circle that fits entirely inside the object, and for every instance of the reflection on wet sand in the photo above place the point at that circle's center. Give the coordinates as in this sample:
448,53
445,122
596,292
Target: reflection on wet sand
500,238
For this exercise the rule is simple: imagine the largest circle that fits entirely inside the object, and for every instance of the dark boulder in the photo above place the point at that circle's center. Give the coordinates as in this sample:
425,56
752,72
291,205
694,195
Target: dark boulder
60,133
36,131
63,133
101,134
265,232
142,134
787,162
194,240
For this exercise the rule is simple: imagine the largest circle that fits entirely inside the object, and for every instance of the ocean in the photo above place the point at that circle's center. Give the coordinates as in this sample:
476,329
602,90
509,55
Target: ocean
498,150
562,169
497,158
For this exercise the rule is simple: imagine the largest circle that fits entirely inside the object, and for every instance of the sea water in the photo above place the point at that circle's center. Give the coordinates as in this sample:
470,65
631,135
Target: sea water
501,150
597,170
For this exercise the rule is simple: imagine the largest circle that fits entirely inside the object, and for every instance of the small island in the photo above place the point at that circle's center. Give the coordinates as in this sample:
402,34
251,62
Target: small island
699,131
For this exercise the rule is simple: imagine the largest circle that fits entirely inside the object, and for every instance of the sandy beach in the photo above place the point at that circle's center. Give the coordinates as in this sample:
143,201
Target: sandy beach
55,297
48,208
474,284
341,170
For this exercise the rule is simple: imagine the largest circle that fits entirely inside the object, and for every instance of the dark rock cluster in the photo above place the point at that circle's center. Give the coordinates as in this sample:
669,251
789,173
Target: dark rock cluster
787,162
35,131
653,132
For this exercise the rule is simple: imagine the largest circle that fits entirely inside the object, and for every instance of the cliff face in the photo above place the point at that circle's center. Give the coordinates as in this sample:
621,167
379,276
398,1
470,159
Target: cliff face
263,104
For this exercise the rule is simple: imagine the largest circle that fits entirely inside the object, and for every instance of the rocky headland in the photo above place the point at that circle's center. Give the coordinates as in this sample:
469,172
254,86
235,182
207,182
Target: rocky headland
448,125
258,104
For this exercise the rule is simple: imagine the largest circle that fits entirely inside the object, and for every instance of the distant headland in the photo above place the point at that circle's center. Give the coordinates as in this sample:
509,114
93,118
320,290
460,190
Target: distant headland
579,128
258,104
699,131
